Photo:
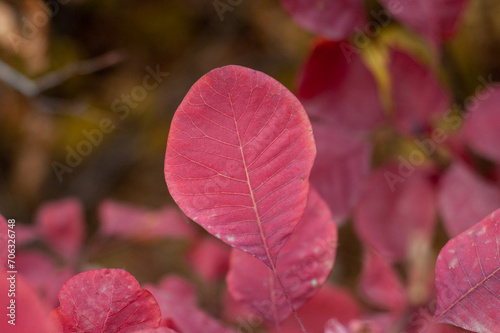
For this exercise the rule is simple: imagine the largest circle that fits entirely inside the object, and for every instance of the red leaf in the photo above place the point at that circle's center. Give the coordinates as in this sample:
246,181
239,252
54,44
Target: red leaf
392,212
481,126
31,263
326,88
238,159
106,300
25,234
62,225
341,169
210,259
437,20
29,312
464,198
468,278
333,19
132,222
177,301
380,284
329,302
417,94
303,264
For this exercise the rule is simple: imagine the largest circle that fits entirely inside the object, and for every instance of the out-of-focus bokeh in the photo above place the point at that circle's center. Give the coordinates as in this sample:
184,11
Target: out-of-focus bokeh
88,89
124,65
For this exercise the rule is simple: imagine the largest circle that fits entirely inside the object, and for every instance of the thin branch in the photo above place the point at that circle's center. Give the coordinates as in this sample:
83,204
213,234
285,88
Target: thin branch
31,88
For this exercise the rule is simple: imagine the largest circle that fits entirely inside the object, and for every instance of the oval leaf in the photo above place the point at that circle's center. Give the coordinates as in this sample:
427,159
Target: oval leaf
464,198
177,300
380,285
132,222
417,94
397,204
329,302
332,19
481,126
437,20
341,169
238,159
303,265
106,300
62,225
467,278
326,89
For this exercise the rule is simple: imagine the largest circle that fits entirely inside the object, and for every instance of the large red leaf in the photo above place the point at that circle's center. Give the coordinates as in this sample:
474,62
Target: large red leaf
326,89
333,19
329,302
341,169
303,264
392,212
132,222
481,130
62,225
464,198
437,20
468,278
177,301
417,95
238,159
106,300
27,312
380,284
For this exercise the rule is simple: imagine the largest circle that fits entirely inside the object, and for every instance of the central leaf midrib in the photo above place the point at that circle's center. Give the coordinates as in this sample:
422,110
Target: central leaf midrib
254,202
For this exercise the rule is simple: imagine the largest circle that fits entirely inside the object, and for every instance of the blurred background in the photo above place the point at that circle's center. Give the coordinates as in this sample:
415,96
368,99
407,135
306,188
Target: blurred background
98,54
88,89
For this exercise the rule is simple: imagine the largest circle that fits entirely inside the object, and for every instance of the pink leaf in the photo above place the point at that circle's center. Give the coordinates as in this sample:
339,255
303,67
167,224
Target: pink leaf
106,300
464,198
238,159
303,264
176,301
341,169
468,278
332,19
27,312
326,88
128,221
394,209
437,20
210,259
380,284
31,263
481,130
329,302
62,225
417,94
25,234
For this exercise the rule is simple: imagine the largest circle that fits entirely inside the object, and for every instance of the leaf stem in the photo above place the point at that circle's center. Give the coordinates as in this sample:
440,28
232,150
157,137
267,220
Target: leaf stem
288,299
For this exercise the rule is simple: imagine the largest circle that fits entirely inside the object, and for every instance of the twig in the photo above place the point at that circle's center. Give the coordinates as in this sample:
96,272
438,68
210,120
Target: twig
31,88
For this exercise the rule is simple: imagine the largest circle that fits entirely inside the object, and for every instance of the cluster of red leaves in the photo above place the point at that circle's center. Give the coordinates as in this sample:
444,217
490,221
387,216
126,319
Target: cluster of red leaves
240,158
51,298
